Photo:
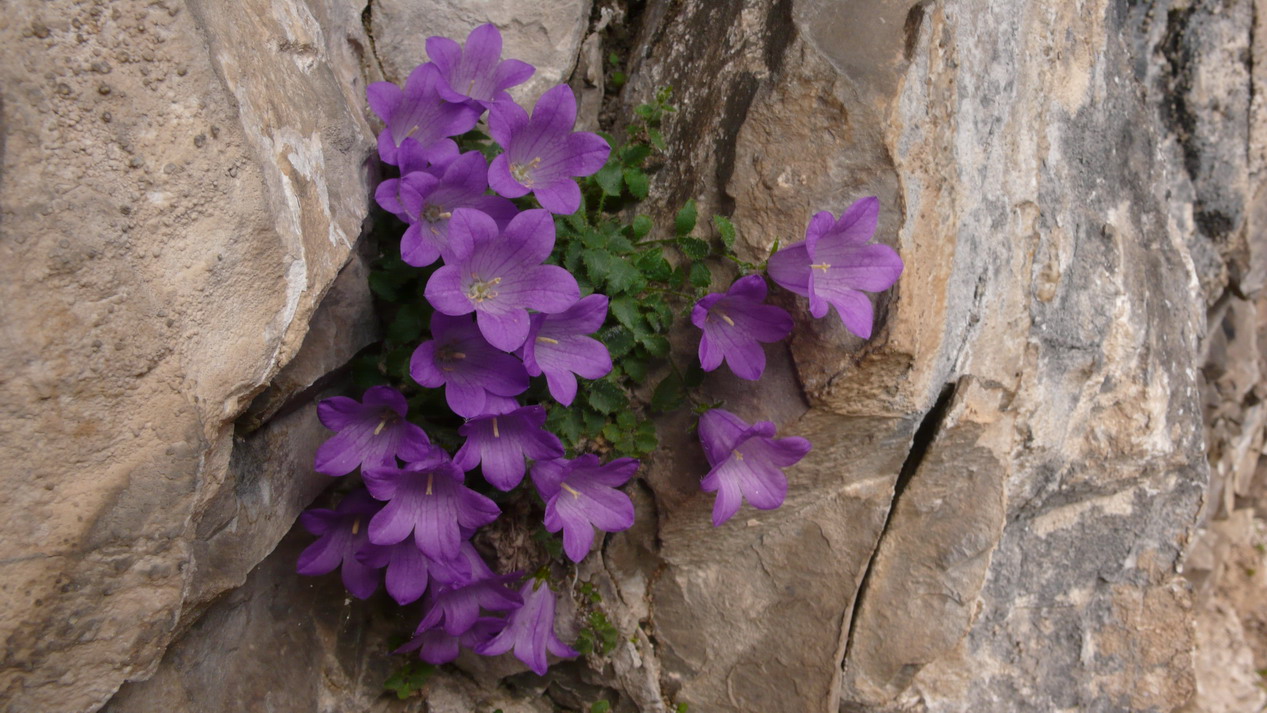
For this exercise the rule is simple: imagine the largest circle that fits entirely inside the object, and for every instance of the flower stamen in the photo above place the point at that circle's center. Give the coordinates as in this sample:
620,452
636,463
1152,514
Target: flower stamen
547,340
821,266
519,171
570,489
356,526
431,477
496,433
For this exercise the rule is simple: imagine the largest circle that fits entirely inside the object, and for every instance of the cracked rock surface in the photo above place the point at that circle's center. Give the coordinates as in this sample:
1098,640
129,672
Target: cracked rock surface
1036,488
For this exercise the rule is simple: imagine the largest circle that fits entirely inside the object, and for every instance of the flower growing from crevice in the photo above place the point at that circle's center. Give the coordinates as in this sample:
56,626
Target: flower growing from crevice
418,112
499,276
456,609
371,433
542,154
558,346
499,444
582,495
747,462
407,569
342,534
735,323
835,265
530,630
437,646
476,72
466,365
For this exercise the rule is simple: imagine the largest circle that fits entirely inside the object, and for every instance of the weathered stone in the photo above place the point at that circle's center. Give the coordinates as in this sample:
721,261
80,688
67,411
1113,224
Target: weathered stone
545,34
153,285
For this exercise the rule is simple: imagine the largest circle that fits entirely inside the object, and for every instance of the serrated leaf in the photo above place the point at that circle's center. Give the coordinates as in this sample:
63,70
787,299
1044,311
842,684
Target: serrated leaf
600,707
669,394
641,226
565,422
653,265
609,179
636,369
700,276
625,310
624,277
593,238
646,439
574,222
637,182
657,139
726,230
684,221
655,344
618,243
618,341
634,154
593,422
606,397
693,248
598,263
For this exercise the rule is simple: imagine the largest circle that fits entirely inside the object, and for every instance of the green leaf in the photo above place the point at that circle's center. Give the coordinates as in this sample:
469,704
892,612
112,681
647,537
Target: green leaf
636,369
619,79
653,265
693,248
700,276
657,139
598,263
645,440
641,226
655,344
410,679
625,310
608,178
726,230
614,59
637,181
408,324
606,397
684,222
624,277
600,707
618,341
634,154
646,111
669,394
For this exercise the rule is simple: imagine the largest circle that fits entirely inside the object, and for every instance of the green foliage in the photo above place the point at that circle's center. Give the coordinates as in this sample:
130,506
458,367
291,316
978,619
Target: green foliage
600,707
410,679
598,635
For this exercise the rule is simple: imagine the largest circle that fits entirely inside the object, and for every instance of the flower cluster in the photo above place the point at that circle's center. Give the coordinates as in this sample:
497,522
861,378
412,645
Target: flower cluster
501,315
505,306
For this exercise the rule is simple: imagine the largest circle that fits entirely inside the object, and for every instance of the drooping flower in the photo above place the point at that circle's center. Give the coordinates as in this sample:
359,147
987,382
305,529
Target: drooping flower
581,495
746,462
735,323
530,630
476,72
456,609
418,112
467,567
500,277
429,499
342,534
461,360
407,569
437,646
500,443
557,346
542,154
835,265
371,433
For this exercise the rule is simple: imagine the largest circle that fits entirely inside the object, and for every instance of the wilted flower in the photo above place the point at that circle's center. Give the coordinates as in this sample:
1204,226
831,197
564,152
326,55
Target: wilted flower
581,495
500,277
735,323
835,264
746,462
370,434
530,630
542,154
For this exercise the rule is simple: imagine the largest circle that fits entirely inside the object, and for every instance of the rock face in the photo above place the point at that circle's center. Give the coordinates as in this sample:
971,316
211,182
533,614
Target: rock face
1006,477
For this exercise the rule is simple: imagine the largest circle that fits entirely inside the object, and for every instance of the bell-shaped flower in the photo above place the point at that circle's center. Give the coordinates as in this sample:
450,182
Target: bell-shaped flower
558,347
467,567
500,443
747,462
476,72
342,534
428,499
836,265
407,569
461,360
581,495
418,112
437,646
456,609
371,432
530,630
735,323
500,276
542,154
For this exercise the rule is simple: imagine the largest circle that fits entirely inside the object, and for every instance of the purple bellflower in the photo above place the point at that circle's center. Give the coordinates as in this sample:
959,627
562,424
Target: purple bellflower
734,324
342,534
467,567
456,609
557,346
581,495
501,277
371,433
542,154
836,264
429,499
746,462
418,112
500,444
437,646
530,630
476,72
470,369
406,565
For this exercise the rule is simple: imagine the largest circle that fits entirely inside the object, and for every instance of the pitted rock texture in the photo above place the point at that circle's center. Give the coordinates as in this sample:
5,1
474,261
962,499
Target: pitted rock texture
181,185
1006,477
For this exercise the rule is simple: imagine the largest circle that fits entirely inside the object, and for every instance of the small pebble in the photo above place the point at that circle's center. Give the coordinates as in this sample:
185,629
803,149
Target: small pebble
103,90
39,29
136,162
101,67
63,89
107,117
200,140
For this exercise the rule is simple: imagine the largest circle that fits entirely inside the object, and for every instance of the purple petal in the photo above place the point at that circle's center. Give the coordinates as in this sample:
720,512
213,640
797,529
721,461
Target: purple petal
790,268
501,181
555,111
872,268
338,412
445,52
719,432
588,151
562,197
506,331
444,292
